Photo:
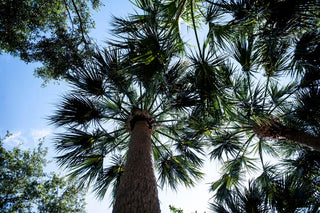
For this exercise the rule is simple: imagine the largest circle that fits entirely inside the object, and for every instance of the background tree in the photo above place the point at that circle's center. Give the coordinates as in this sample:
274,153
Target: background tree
53,33
24,186
60,195
175,210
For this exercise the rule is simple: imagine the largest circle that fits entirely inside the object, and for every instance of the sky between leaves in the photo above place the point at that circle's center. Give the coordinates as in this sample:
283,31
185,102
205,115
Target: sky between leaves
25,107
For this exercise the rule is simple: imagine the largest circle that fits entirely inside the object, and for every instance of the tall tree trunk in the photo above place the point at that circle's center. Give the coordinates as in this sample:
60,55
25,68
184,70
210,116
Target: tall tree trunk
137,192
302,138
275,129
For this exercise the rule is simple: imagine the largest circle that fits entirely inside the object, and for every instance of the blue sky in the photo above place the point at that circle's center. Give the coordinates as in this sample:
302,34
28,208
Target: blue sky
25,106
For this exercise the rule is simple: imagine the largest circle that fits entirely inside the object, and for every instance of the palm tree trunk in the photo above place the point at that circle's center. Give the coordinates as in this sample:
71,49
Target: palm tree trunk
137,192
301,137
275,129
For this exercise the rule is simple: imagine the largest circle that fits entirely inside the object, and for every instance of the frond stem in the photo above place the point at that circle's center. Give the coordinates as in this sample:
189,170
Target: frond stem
260,153
275,107
168,136
162,145
195,29
265,92
116,145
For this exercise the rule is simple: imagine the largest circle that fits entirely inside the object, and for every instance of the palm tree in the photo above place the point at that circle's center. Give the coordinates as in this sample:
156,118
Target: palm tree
250,200
125,108
264,111
282,194
275,31
294,188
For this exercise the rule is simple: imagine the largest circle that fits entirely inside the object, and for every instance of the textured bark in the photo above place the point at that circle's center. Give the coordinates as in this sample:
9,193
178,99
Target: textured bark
275,129
302,138
137,192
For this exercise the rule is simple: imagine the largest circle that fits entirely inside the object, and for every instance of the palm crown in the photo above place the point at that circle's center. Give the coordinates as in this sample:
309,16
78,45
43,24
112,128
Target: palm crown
265,43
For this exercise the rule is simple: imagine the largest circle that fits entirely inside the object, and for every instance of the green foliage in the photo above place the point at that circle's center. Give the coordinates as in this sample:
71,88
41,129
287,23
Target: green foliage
295,189
58,195
137,75
24,186
273,86
54,33
245,92
175,210
228,93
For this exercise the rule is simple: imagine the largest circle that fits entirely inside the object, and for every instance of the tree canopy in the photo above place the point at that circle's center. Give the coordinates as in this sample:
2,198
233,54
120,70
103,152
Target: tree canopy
247,92
25,187
54,33
250,90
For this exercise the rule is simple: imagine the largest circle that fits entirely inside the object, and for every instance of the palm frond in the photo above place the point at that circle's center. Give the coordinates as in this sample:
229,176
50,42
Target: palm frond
222,187
87,80
76,110
174,170
225,144
191,149
252,198
244,52
308,109
108,63
78,140
235,167
208,81
87,169
110,176
265,146
289,195
305,165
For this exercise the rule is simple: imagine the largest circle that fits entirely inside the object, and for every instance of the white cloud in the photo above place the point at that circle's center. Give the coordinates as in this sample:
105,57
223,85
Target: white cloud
26,141
15,139
37,134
